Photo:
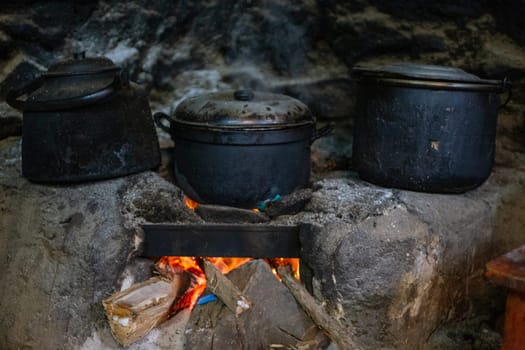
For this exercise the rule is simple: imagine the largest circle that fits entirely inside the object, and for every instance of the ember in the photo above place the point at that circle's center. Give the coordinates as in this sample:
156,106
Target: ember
278,262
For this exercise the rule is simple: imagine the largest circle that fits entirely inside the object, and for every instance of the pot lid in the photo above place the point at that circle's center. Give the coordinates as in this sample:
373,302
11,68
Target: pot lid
73,79
242,108
416,71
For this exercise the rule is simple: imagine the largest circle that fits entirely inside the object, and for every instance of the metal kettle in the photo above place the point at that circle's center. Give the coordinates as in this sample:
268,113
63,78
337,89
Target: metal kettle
84,120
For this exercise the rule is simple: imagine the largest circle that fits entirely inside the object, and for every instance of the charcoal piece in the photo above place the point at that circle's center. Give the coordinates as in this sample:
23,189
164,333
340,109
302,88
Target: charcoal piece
290,204
229,215
274,318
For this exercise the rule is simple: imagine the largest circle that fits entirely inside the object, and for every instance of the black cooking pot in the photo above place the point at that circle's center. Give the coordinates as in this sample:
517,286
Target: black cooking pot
424,128
240,148
83,120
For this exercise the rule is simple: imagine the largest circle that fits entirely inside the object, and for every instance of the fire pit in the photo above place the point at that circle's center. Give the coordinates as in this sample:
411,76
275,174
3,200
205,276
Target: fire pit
134,312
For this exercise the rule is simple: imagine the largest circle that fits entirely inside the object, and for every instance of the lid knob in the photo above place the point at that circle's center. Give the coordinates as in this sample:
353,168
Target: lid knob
243,95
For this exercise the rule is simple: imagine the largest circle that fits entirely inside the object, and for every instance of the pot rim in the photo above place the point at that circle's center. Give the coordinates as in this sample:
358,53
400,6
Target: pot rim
498,86
237,127
247,137
426,76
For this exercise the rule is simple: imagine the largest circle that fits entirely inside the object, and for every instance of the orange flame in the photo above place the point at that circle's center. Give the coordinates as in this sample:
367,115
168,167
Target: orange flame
190,203
172,265
225,265
293,262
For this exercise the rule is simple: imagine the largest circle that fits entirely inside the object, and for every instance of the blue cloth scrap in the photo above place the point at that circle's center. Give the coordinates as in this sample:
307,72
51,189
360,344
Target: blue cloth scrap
262,205
208,298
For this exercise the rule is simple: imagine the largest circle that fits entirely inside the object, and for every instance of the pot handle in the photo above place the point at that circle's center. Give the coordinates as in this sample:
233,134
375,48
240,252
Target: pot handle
159,117
13,96
506,85
318,133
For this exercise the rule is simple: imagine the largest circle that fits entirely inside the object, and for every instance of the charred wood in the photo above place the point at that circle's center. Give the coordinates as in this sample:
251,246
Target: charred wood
342,336
290,204
229,215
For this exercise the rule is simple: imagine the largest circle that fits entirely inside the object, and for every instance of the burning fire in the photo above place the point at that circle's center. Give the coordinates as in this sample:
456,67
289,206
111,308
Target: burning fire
172,265
225,265
294,264
190,203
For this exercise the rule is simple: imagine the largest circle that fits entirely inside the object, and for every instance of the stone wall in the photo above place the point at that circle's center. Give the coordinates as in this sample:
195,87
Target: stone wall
179,47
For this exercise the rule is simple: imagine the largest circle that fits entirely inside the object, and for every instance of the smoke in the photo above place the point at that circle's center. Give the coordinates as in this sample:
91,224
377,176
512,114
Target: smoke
271,33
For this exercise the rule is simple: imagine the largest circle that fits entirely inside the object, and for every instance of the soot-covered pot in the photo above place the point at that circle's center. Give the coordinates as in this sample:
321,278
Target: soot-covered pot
423,127
83,120
240,148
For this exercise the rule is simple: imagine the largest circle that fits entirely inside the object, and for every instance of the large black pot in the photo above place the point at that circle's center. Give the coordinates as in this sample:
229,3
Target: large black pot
424,128
83,120
240,148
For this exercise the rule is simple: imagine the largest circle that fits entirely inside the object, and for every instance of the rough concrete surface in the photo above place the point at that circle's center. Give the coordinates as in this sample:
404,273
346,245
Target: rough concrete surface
398,264
63,248
66,247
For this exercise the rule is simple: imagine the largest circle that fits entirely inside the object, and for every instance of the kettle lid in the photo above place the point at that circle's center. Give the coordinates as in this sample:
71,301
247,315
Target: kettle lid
69,84
75,78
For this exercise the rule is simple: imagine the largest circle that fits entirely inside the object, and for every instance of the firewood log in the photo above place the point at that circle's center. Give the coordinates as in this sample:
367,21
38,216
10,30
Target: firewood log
342,336
225,290
134,312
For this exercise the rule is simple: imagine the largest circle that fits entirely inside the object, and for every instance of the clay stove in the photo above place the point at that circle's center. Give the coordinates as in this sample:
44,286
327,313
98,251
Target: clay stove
404,268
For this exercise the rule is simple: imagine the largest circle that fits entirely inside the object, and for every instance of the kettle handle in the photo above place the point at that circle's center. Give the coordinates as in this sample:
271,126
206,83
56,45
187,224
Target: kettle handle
159,117
13,96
